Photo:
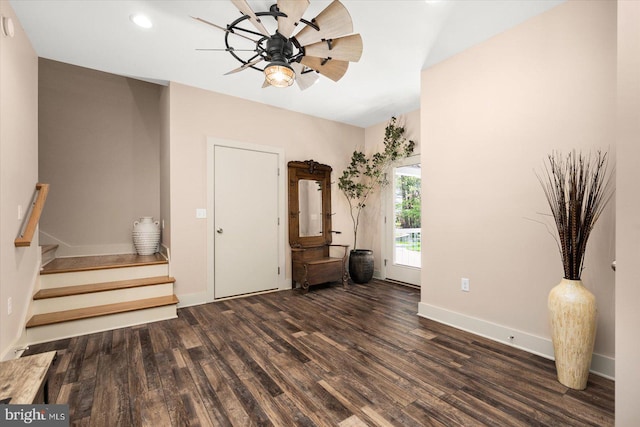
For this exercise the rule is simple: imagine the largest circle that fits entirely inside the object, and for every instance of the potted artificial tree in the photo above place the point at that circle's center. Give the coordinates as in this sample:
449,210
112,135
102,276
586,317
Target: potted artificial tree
360,179
577,188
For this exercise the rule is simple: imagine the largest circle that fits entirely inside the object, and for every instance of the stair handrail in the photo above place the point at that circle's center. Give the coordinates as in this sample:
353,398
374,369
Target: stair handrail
32,218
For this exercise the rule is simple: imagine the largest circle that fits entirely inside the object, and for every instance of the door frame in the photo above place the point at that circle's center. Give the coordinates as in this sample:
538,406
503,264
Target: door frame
212,142
388,206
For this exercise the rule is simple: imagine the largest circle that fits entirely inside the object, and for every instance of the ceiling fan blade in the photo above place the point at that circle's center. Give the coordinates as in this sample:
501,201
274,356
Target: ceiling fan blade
332,69
244,7
334,21
245,66
294,9
223,29
305,80
347,48
229,49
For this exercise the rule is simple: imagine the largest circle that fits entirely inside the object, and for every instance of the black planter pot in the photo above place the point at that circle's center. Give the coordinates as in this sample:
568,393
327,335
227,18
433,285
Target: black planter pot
361,265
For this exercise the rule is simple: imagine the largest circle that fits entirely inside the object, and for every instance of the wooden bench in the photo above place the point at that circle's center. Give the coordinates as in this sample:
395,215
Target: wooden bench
24,380
315,265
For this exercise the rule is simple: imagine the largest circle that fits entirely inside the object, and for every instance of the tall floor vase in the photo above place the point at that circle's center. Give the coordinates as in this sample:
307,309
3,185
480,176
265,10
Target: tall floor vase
572,310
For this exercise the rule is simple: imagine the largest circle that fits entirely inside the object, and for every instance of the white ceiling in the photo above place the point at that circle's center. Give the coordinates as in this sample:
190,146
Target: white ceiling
401,37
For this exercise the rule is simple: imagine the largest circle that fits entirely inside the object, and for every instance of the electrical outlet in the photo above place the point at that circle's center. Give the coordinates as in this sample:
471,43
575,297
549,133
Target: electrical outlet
9,305
464,284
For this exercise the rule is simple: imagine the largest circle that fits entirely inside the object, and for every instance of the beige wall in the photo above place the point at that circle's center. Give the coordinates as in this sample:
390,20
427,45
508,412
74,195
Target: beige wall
100,151
19,267
490,115
196,114
628,219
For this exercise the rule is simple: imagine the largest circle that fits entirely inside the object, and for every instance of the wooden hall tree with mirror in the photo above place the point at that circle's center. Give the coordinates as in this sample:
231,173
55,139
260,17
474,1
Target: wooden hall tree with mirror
310,234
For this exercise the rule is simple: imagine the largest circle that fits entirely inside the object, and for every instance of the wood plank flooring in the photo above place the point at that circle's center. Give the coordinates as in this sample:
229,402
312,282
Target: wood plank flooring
331,357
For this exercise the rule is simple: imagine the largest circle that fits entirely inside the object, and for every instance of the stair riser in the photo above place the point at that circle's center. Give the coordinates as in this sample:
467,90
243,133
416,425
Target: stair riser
48,254
47,258
74,328
48,281
72,302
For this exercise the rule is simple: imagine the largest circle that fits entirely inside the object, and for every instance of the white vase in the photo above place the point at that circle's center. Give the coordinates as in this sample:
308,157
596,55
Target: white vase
146,235
573,312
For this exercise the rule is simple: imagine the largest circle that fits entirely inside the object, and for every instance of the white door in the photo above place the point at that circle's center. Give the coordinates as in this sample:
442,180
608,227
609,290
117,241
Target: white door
245,221
403,234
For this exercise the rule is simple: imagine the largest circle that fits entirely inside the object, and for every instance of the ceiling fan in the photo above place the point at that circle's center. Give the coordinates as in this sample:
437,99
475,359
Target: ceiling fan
319,46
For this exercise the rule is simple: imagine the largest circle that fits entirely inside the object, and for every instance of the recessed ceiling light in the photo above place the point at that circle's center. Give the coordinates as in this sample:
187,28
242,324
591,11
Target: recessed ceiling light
141,20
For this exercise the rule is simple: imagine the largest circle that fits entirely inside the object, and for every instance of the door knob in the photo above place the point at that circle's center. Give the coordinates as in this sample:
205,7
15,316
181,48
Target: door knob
219,230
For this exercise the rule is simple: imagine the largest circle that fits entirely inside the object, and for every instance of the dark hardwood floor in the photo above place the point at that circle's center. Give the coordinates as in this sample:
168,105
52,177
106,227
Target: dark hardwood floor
330,357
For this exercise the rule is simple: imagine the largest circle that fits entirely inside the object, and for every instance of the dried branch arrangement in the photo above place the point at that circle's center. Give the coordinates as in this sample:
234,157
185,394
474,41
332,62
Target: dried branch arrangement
577,187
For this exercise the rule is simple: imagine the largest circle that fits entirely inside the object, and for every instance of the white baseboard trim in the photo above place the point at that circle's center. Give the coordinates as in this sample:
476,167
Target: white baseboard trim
285,284
16,348
165,251
600,365
197,298
65,250
187,300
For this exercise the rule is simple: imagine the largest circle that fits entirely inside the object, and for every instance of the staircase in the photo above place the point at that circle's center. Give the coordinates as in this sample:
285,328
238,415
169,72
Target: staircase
83,295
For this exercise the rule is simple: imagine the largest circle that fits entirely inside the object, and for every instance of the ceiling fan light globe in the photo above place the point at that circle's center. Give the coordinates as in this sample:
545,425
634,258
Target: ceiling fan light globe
279,75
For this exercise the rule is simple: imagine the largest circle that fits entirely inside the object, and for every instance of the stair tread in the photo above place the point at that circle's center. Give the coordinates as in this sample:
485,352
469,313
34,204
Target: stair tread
101,287
99,310
101,262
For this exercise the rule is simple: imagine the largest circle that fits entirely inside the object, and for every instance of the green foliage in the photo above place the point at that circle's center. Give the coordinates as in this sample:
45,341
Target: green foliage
408,210
366,173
